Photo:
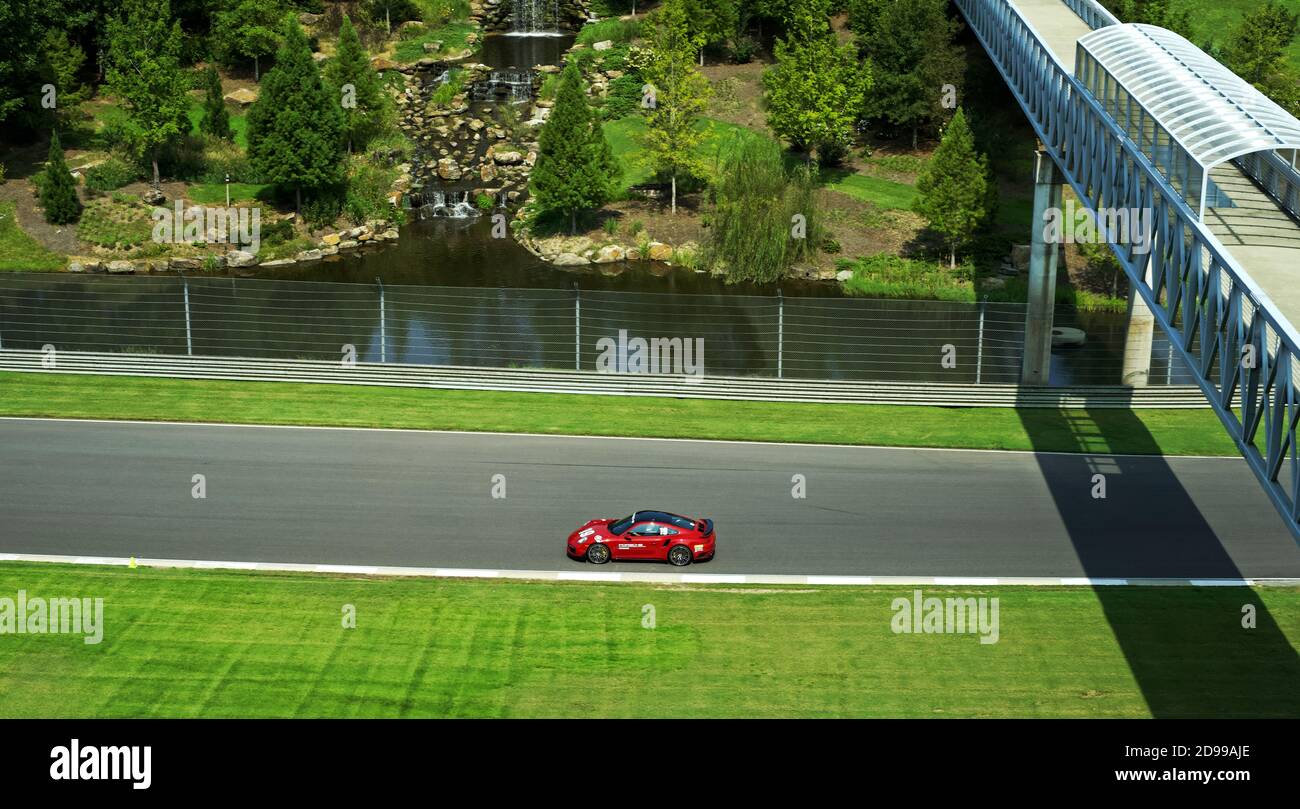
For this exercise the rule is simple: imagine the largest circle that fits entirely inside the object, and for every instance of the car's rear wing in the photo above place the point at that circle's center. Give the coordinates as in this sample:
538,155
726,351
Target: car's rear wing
706,527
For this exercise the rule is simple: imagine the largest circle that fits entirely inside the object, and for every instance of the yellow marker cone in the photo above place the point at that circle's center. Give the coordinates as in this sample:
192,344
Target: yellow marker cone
132,563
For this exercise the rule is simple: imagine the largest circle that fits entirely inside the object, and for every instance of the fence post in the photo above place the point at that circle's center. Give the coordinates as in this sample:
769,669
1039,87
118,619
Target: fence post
383,324
979,350
577,327
189,340
780,334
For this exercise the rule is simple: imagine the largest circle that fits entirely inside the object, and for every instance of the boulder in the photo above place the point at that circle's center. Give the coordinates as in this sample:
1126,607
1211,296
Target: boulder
487,172
610,254
603,45
380,63
120,267
843,275
658,251
348,244
448,170
240,258
331,239
309,255
389,234
570,260
279,262
507,158
185,264
244,96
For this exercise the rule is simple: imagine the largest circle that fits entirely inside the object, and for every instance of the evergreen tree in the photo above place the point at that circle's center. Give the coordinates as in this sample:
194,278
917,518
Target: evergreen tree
356,84
144,72
59,189
248,29
575,169
1257,49
295,129
216,120
679,98
954,188
910,45
815,89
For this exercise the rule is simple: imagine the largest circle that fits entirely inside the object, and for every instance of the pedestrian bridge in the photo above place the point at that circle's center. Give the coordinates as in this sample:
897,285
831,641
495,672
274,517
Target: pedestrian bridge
1135,117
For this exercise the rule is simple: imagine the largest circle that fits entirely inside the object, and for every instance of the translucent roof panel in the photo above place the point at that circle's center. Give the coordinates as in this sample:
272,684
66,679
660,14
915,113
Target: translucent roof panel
1209,110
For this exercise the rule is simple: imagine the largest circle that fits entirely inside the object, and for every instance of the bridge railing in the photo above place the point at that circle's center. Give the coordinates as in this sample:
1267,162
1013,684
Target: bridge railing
1222,324
1277,176
1093,13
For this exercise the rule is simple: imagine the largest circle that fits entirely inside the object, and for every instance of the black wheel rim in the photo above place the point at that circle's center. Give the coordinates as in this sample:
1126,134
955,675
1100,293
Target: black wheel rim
679,555
598,553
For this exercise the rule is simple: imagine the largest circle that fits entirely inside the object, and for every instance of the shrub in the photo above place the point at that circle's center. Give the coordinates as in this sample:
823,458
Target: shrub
446,92
610,225
615,30
367,192
484,202
111,175
278,231
624,97
743,49
755,202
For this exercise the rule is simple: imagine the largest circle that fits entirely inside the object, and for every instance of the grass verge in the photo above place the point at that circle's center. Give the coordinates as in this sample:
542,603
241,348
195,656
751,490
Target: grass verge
1174,432
180,643
20,252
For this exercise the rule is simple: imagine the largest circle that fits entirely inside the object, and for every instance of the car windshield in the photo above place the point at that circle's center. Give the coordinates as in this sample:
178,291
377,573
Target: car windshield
619,526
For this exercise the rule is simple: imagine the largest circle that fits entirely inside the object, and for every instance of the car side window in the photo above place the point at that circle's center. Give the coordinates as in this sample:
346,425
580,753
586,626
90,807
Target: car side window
645,529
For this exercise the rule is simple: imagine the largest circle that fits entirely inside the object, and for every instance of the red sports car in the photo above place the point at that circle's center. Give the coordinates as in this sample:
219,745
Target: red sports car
655,535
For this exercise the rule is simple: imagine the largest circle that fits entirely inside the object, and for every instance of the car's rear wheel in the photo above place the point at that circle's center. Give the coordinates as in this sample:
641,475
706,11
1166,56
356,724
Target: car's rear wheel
598,553
679,556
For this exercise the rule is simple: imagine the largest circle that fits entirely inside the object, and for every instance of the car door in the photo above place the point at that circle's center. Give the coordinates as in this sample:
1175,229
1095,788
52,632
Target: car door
638,542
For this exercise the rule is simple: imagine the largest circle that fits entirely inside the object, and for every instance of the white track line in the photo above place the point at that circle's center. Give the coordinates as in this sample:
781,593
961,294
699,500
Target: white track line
645,578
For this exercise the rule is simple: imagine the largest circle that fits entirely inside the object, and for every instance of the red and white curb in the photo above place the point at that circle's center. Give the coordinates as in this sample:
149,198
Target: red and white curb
611,577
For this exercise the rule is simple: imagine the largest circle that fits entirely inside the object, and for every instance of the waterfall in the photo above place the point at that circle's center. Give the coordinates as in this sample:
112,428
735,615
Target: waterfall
536,16
504,85
450,204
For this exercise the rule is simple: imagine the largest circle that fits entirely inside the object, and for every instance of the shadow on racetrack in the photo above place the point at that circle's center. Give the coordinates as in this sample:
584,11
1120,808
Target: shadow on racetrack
1189,662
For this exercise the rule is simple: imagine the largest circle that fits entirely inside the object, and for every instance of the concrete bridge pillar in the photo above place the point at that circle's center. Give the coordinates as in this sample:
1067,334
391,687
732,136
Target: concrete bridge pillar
1137,341
1037,366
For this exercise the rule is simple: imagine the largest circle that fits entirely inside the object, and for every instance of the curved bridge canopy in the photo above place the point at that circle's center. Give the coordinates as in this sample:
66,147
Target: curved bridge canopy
1183,109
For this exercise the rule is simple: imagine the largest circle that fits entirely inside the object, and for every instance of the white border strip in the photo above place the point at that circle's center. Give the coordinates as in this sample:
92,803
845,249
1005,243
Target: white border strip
609,577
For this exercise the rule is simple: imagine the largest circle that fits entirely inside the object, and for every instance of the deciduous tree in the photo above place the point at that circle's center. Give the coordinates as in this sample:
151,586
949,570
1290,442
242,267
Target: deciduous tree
676,97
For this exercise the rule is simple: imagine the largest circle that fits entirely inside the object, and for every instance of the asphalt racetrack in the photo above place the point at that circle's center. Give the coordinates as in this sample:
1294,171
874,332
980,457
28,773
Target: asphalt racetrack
371,497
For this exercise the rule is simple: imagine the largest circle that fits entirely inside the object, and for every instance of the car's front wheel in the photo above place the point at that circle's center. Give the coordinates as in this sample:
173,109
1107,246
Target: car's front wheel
679,556
598,553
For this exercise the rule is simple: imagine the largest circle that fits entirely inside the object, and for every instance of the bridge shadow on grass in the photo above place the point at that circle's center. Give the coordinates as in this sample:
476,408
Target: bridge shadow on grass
1185,646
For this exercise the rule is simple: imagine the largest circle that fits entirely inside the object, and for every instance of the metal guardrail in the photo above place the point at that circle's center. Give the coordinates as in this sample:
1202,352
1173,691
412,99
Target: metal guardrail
1209,305
593,383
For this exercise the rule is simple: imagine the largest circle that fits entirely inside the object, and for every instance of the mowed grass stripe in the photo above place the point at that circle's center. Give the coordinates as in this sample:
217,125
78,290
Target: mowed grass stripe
1168,432
219,644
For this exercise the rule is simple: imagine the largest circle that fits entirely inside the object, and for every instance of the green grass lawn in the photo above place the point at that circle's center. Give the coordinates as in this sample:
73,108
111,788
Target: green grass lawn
230,644
1171,432
884,193
20,252
1218,20
626,136
215,193
238,124
452,36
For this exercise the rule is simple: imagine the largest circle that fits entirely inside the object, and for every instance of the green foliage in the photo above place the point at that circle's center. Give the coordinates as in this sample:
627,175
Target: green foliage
119,222
484,202
575,169
295,128
712,22
911,50
356,84
814,92
1256,50
888,276
144,73
954,188
756,201
623,99
615,30
680,96
367,192
20,252
22,24
215,120
110,175
58,190
446,93
64,59
248,30
1171,14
